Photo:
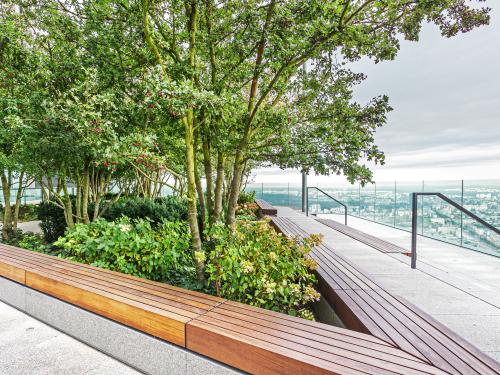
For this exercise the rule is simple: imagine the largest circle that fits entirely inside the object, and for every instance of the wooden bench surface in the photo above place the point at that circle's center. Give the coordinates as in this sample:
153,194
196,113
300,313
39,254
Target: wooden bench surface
251,339
266,208
365,306
368,239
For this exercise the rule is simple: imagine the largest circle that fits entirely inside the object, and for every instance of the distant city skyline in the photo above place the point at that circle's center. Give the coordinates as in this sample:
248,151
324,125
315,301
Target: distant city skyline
446,99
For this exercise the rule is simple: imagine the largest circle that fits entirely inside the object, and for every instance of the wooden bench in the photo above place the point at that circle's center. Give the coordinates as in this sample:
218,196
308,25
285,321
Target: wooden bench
365,306
372,241
266,208
250,339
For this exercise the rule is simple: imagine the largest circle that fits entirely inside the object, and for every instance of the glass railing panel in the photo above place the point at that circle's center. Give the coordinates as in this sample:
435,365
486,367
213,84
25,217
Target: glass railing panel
429,221
257,188
367,201
441,220
328,206
276,194
403,203
385,203
483,199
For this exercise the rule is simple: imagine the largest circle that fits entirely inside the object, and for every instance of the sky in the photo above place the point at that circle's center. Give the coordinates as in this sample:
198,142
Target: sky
446,98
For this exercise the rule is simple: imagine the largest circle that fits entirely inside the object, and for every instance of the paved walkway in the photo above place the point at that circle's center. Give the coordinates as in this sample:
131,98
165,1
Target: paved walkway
28,346
29,226
463,294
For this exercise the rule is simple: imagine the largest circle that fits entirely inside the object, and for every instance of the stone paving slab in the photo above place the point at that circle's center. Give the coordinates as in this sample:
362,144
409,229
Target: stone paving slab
453,286
28,346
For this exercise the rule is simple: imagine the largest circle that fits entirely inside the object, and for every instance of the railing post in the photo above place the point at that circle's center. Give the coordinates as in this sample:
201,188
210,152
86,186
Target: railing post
345,215
462,217
307,201
414,230
304,191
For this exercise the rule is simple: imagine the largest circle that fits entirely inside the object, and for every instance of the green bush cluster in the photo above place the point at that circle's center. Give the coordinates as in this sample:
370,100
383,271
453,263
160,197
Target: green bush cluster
169,208
133,247
28,241
52,221
246,197
255,265
130,246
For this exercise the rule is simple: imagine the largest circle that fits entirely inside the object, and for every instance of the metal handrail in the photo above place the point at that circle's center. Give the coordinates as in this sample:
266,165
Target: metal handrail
447,200
329,196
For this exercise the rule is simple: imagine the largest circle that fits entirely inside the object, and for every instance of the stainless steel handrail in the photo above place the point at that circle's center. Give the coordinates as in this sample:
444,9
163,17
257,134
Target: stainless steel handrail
447,200
329,196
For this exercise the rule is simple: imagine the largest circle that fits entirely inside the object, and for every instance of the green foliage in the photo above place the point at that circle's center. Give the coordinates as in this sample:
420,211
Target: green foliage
169,208
131,246
247,211
52,221
246,197
28,241
28,212
255,265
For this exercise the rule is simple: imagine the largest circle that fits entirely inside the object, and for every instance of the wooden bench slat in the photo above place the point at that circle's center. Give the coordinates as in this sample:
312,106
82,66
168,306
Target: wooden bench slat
358,362
368,307
176,299
266,209
368,239
129,279
374,353
169,306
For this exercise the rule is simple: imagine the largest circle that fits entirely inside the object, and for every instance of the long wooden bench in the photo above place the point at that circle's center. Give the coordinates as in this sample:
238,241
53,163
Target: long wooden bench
372,241
265,208
250,339
365,306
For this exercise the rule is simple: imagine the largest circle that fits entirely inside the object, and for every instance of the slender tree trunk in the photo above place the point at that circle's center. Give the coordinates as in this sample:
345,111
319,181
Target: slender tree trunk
191,195
238,167
19,196
78,201
219,188
207,163
68,206
7,210
85,194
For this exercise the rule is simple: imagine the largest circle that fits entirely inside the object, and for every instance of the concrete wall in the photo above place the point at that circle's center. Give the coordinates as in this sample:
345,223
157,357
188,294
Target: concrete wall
136,349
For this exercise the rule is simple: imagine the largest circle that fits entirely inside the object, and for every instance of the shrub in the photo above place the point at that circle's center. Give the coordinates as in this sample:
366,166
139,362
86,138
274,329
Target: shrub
28,212
28,241
255,265
169,208
247,211
132,247
52,221
246,197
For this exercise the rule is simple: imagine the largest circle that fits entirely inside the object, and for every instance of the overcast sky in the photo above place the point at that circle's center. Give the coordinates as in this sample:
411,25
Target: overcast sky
446,99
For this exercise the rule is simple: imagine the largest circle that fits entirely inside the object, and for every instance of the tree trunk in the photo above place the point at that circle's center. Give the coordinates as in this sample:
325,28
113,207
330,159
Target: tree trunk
7,210
85,194
19,196
234,189
191,195
68,206
238,166
219,189
207,163
79,201
201,199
